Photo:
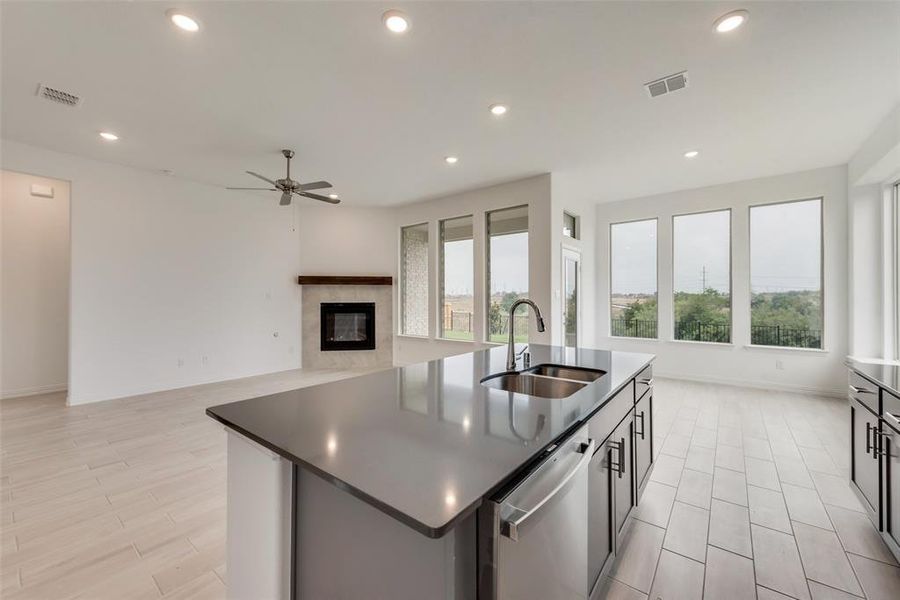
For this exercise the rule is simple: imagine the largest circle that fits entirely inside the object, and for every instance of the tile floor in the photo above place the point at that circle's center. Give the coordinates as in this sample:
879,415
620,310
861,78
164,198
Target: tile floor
126,499
749,500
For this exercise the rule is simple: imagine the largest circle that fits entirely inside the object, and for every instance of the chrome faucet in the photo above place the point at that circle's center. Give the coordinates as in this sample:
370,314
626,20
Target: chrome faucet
511,353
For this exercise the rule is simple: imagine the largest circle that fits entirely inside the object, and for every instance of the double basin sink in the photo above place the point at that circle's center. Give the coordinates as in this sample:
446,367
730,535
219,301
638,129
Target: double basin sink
544,381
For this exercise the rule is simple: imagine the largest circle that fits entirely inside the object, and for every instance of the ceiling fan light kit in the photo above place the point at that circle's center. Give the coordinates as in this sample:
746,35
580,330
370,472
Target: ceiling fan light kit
288,187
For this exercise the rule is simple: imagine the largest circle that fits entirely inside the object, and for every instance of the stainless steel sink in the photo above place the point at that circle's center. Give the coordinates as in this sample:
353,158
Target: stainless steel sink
564,372
533,385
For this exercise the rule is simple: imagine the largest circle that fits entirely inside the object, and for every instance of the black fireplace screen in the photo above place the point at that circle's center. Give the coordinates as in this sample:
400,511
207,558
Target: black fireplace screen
348,326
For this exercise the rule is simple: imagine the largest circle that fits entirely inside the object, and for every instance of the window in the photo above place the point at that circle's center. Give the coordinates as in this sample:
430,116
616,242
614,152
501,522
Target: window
456,279
632,287
414,280
507,271
570,226
786,274
702,276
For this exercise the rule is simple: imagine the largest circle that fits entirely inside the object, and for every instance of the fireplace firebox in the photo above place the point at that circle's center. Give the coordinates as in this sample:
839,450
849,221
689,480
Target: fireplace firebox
347,326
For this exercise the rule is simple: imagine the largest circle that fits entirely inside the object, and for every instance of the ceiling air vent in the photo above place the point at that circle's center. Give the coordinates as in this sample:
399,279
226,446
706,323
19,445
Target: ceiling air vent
58,96
667,84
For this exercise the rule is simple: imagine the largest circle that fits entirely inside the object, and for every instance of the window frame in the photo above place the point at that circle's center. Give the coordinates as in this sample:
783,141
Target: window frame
821,200
609,254
487,266
730,212
895,257
439,329
401,312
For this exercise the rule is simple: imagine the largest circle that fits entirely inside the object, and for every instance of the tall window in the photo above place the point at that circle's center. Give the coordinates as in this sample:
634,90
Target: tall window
786,274
702,276
507,271
414,280
633,298
457,278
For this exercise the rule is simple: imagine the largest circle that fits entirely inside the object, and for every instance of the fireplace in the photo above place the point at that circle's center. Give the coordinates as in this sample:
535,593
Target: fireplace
347,326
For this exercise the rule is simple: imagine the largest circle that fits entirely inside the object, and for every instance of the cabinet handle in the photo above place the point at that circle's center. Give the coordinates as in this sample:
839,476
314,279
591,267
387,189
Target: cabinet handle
646,381
619,465
643,428
859,390
868,437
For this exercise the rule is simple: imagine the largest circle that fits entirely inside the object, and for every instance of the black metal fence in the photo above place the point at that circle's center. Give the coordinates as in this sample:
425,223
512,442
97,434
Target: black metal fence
776,335
698,331
633,328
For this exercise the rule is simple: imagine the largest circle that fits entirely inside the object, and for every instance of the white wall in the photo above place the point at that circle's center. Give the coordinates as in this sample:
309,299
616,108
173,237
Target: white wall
35,286
533,191
342,240
871,173
164,270
804,370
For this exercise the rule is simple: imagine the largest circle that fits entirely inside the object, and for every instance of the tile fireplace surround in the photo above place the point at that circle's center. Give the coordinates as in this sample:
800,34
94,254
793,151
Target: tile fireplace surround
349,290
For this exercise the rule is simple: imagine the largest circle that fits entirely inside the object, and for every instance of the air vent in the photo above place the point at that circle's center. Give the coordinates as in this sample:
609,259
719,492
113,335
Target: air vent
58,96
667,84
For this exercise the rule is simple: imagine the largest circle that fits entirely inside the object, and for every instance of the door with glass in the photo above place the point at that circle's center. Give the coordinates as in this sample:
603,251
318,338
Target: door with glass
571,284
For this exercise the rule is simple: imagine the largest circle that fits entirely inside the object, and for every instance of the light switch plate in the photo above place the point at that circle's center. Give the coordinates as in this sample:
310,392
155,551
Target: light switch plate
44,191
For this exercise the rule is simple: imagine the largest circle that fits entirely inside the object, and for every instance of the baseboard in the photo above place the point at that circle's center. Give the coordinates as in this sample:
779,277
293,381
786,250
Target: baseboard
760,385
33,391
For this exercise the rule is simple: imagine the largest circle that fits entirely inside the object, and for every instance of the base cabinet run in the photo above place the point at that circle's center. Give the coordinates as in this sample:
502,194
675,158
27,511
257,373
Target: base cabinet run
875,455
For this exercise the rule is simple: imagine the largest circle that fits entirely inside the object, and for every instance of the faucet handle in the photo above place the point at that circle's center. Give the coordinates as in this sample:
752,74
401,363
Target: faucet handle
522,351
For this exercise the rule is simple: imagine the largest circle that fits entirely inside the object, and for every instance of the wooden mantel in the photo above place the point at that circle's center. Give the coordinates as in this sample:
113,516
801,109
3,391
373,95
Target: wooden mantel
344,280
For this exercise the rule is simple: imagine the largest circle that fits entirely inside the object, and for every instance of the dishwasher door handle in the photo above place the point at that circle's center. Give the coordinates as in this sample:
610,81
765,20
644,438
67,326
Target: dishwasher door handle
510,527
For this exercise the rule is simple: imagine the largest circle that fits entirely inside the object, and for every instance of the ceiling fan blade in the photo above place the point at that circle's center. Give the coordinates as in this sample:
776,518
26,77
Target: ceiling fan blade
265,189
318,197
260,177
314,185
285,199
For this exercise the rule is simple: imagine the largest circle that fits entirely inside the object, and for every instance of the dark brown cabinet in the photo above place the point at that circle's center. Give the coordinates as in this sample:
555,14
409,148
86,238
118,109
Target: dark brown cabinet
622,444
600,539
864,467
643,441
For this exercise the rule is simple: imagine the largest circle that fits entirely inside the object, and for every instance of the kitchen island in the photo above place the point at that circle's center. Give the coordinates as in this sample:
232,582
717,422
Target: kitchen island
372,486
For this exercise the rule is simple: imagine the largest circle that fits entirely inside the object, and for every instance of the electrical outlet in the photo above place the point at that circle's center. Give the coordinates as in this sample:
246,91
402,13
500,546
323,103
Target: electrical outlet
779,365
180,362
275,334
204,360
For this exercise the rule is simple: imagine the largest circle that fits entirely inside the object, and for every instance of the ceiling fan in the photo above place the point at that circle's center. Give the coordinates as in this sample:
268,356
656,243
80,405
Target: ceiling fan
288,187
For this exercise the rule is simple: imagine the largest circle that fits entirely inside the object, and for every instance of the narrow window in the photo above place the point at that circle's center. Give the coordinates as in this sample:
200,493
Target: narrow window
570,226
786,274
633,298
457,279
414,280
702,276
507,271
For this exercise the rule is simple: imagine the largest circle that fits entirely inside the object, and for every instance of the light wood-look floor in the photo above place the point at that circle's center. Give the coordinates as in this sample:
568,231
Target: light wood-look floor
120,499
126,499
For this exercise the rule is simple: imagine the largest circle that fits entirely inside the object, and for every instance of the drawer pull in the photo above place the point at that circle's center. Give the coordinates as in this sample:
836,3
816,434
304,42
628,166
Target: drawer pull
646,381
859,390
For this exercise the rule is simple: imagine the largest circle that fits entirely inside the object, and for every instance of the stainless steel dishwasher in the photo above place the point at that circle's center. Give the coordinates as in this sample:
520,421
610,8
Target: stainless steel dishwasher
533,538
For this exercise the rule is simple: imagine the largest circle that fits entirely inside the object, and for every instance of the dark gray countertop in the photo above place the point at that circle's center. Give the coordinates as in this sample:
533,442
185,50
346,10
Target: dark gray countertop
887,376
424,443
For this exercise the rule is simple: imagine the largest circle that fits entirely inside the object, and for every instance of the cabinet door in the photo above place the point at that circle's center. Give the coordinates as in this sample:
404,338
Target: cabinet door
864,457
643,440
600,502
622,445
890,451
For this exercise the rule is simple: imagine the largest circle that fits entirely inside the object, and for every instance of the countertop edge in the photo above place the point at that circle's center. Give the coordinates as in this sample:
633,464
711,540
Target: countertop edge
853,365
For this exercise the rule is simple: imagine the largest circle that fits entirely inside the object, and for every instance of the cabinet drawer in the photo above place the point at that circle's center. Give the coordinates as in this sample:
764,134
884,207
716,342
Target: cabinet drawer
604,422
643,381
864,391
890,405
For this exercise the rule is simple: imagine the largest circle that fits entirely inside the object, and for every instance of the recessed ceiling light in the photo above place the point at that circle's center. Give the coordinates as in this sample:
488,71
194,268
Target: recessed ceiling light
182,21
333,196
395,21
692,154
108,136
731,21
498,109
451,160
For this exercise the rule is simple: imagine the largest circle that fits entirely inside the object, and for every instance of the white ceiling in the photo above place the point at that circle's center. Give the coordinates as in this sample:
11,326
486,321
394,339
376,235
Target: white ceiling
800,86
